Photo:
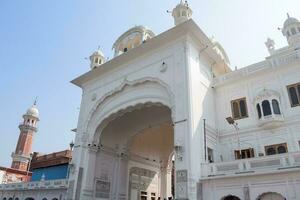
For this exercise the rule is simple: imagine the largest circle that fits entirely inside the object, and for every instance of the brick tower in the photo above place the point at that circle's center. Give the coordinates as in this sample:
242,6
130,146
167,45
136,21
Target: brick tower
21,157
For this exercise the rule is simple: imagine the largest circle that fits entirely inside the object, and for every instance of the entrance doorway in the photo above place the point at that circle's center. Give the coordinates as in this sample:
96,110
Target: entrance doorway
142,142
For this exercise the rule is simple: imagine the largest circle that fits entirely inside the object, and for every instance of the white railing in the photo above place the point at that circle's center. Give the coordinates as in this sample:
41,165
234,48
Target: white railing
51,184
253,165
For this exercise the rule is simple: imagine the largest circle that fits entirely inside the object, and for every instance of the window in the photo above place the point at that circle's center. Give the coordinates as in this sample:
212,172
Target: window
96,60
294,94
276,108
153,195
210,155
293,30
244,153
125,49
239,108
258,111
266,108
143,195
288,33
276,149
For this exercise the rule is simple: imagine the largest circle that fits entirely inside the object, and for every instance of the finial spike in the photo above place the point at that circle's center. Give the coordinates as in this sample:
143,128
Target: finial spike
35,100
98,47
288,15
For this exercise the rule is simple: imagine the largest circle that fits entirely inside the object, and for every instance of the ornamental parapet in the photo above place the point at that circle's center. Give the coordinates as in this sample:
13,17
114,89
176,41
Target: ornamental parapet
25,127
51,184
252,166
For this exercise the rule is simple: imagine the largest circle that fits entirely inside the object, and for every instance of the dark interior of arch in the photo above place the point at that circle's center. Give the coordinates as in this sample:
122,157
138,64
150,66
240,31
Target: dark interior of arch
230,197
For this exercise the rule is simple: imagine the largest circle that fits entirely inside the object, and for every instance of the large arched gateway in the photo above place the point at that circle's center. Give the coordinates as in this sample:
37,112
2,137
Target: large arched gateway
142,137
130,143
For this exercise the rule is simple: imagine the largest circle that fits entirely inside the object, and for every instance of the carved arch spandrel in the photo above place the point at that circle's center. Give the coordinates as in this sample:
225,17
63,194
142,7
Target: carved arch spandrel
98,114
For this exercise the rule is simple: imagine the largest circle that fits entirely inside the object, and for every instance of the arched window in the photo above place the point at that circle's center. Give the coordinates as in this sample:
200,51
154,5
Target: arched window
288,33
17,198
125,49
293,95
266,108
55,199
184,13
10,198
271,151
276,108
258,110
45,199
4,198
281,149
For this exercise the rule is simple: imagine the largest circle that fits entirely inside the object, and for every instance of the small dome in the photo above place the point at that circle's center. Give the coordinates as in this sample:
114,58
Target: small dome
33,111
290,21
98,53
131,39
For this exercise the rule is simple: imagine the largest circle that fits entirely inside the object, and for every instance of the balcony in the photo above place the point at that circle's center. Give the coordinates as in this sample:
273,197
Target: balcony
252,166
271,121
52,184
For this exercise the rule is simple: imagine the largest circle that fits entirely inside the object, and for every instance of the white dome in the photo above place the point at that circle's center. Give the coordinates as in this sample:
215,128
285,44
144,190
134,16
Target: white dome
33,111
131,39
289,21
98,53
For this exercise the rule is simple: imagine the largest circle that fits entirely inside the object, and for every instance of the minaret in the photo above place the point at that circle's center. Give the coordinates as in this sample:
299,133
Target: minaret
291,30
21,157
97,59
182,12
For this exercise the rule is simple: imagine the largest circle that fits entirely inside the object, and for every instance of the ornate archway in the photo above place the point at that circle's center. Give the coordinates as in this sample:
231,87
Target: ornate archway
271,196
112,132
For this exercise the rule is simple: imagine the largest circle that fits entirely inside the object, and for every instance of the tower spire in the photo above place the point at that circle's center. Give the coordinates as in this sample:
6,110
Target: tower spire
22,155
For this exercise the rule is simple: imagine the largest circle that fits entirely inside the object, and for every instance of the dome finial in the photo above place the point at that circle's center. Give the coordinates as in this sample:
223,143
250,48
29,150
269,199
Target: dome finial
35,101
288,15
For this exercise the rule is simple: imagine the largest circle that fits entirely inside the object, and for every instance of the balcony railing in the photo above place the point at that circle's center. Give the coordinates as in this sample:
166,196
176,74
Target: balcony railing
51,184
271,121
266,164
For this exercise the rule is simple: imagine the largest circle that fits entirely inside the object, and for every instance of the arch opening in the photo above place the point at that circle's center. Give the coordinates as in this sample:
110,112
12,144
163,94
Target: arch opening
231,197
271,196
136,147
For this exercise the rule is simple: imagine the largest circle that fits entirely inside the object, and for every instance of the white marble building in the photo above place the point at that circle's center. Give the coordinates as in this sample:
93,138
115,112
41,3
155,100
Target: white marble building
153,122
162,102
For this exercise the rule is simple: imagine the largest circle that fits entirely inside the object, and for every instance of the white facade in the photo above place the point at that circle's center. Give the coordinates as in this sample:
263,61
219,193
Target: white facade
167,99
160,107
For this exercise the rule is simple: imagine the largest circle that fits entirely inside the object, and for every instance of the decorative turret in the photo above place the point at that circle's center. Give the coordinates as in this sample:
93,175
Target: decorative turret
270,44
22,155
291,30
182,12
97,59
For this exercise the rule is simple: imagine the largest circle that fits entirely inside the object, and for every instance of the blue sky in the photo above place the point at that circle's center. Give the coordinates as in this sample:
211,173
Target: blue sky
44,43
